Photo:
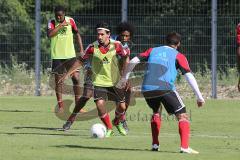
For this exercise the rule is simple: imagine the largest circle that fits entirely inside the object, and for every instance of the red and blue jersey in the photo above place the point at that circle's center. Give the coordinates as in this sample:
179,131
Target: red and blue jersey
162,65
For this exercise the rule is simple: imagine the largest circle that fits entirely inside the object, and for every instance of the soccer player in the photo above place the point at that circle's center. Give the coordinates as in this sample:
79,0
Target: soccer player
158,87
104,56
60,31
238,54
125,31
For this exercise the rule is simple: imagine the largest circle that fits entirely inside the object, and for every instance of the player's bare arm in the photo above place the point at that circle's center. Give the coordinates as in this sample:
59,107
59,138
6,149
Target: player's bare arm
78,37
80,44
126,59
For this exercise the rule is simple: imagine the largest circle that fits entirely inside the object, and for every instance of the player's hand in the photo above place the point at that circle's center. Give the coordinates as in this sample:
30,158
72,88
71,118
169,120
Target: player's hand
81,54
200,102
122,83
64,23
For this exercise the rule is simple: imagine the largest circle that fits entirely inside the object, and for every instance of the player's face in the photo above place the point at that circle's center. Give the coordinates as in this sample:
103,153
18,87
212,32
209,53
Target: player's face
60,16
103,36
125,36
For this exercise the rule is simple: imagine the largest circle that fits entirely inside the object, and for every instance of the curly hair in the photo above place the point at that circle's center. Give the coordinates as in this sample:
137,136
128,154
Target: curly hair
125,26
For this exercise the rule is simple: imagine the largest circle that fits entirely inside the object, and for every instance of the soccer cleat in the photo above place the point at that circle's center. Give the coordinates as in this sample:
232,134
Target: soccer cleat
121,129
67,125
188,150
124,123
109,133
82,111
155,147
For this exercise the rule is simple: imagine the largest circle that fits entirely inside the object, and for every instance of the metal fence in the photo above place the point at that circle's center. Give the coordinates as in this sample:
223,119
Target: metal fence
152,19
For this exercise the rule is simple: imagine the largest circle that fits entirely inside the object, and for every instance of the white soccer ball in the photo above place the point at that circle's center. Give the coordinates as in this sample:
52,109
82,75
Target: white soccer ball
98,130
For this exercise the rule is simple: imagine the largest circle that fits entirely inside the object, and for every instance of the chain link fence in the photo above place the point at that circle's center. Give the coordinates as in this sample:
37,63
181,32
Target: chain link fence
152,19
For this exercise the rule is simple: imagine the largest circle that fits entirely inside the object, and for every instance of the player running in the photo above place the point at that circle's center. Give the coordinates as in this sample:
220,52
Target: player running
125,32
103,56
60,31
158,87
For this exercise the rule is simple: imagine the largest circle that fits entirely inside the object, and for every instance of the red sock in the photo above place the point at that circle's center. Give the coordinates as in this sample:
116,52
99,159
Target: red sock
106,120
155,126
118,117
184,131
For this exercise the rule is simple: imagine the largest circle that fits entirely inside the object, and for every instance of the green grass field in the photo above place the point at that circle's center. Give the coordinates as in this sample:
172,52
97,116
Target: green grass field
29,130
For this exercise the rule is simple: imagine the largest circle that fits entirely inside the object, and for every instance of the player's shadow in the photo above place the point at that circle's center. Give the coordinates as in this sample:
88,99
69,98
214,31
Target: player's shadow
41,134
108,148
39,128
7,110
42,128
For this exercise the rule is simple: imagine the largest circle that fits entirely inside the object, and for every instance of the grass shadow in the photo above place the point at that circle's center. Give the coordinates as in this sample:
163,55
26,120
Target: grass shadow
48,128
109,148
40,128
7,110
41,134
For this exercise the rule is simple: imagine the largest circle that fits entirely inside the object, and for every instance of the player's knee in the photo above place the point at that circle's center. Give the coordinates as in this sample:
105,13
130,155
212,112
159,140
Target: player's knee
182,117
121,107
100,103
75,80
101,110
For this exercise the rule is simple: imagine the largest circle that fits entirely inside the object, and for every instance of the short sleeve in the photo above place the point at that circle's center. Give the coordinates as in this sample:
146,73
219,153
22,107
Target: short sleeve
74,26
182,63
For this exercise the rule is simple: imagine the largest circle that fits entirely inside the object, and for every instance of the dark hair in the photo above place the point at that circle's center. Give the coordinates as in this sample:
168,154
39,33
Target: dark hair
125,26
173,38
59,8
103,25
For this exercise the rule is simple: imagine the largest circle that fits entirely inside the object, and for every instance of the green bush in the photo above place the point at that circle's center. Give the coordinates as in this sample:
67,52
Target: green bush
19,80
